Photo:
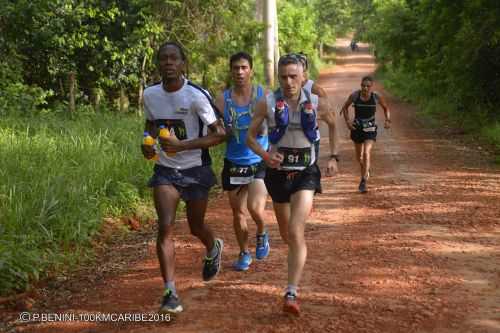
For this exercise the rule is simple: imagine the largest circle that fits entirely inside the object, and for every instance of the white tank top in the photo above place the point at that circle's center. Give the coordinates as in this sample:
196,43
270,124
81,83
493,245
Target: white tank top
308,86
294,136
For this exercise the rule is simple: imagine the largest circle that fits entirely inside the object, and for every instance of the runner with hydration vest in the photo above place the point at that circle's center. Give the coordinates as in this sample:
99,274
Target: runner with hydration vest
243,172
292,174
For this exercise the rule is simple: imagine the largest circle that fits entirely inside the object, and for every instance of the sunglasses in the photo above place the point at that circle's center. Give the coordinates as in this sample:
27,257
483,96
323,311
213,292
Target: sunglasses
366,85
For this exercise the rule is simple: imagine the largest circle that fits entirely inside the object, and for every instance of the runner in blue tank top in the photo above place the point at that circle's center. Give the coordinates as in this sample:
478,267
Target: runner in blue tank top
243,172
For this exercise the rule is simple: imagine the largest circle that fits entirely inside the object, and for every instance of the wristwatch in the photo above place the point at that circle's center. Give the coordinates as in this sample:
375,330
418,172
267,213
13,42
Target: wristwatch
335,156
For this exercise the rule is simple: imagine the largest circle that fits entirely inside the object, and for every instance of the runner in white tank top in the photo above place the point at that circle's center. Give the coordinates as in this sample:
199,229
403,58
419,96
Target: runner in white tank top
292,174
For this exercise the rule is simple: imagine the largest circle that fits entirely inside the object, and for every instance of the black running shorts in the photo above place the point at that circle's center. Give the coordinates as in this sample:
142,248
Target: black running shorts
282,184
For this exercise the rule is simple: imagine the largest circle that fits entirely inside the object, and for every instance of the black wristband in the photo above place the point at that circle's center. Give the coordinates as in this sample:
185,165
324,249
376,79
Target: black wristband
335,156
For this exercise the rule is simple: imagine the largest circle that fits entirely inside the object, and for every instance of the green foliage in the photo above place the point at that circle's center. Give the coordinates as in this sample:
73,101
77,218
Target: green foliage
18,98
58,179
297,31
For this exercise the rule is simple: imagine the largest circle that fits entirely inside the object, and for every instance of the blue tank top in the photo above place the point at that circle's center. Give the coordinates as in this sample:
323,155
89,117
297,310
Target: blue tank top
239,118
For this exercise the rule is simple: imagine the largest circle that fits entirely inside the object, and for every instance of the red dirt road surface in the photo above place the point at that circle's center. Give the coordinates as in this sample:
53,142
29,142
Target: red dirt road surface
420,252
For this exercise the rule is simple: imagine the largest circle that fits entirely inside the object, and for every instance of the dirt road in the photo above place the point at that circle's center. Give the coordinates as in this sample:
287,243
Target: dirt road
420,252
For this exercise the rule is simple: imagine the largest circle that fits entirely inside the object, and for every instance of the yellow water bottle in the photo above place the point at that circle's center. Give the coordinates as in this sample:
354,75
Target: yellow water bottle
163,134
150,141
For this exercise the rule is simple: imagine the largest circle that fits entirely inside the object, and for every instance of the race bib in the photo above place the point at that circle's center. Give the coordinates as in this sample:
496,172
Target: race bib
366,125
177,125
242,174
295,158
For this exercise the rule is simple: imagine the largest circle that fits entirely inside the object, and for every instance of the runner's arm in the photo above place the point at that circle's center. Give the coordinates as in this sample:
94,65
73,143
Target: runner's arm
258,118
345,112
220,104
387,113
215,135
328,116
316,89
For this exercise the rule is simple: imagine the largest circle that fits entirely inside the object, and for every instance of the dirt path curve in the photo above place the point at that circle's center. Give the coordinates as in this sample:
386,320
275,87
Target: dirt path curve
419,253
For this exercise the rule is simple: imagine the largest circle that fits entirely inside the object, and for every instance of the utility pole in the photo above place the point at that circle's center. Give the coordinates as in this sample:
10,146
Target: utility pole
270,37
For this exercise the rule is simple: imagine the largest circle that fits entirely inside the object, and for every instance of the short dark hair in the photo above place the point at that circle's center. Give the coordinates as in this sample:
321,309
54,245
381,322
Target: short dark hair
289,59
240,55
172,43
367,78
303,59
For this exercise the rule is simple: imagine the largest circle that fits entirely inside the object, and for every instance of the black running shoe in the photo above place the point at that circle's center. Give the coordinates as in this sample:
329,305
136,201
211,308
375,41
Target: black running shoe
362,186
211,266
170,303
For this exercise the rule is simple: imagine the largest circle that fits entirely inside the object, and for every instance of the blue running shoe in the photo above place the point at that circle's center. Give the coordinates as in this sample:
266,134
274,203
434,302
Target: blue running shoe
262,246
243,262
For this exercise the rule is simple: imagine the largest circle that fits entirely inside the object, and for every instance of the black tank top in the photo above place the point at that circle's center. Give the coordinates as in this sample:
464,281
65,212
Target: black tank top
364,109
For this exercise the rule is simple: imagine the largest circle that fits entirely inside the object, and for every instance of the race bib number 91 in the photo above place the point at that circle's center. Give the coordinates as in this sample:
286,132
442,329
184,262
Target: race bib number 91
295,158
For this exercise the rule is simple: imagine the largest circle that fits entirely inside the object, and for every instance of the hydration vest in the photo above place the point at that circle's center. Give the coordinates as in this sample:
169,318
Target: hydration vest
232,118
308,118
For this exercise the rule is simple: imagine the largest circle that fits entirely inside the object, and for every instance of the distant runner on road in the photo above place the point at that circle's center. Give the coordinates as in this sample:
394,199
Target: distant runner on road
362,126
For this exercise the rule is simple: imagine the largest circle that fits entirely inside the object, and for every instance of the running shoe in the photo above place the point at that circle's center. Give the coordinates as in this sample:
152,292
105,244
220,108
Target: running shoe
362,186
262,246
291,304
243,262
211,266
170,303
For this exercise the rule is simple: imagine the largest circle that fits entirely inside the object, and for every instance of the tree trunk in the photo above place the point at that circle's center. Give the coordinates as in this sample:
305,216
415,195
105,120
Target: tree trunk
123,100
72,86
276,39
269,39
142,83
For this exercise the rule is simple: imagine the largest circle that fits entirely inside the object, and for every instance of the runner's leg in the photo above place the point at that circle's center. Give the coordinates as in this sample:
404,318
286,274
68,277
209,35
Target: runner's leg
195,211
282,212
359,155
166,199
237,201
257,195
301,203
368,145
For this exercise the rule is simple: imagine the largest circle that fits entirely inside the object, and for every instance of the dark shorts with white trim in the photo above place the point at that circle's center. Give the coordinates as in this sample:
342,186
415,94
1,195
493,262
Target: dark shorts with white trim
360,136
226,179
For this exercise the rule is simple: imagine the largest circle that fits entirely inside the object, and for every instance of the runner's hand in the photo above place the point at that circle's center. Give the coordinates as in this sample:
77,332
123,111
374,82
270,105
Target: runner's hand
148,151
350,125
171,144
274,160
387,124
331,168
